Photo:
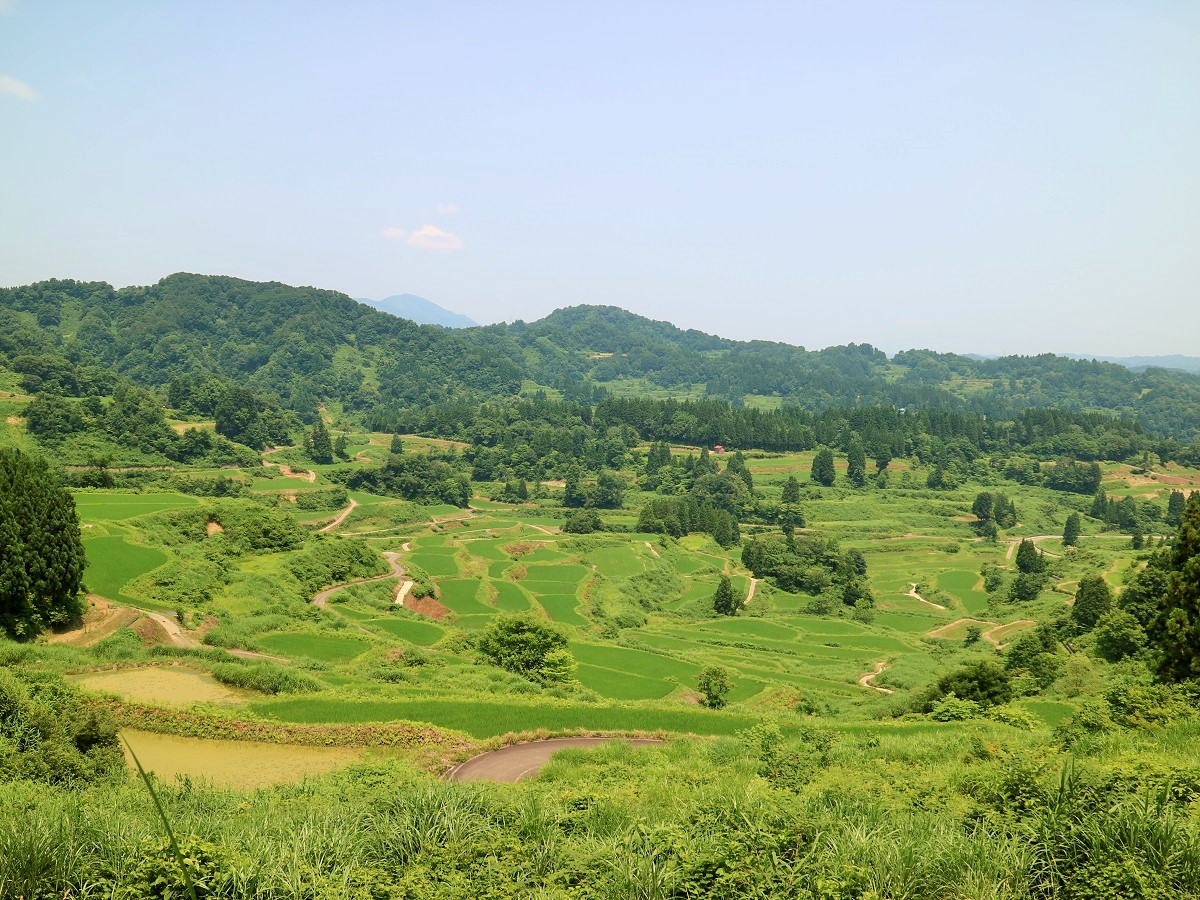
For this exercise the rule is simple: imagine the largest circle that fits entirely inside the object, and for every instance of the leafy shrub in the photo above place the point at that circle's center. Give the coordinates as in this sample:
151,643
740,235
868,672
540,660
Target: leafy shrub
267,677
47,734
954,709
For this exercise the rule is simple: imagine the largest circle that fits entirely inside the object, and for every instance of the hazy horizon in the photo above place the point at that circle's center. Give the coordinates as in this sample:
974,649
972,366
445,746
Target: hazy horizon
1016,179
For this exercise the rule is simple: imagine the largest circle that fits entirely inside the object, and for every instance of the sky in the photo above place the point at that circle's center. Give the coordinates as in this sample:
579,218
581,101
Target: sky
1013,177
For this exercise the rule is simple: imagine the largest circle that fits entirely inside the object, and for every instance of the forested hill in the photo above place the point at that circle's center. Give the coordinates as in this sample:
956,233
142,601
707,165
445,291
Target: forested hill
307,347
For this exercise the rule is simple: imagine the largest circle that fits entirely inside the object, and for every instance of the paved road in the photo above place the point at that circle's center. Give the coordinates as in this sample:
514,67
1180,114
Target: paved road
519,761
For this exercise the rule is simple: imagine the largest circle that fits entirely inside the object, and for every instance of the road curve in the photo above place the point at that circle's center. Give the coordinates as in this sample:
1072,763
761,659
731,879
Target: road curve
517,761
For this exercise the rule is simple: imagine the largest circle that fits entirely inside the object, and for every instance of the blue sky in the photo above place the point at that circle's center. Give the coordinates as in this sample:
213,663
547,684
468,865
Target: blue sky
1004,177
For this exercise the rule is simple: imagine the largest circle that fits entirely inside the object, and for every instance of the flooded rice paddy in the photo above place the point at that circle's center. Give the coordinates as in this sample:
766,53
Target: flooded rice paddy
231,764
164,686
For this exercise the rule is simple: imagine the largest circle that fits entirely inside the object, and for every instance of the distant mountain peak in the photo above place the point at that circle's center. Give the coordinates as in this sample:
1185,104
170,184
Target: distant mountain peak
420,310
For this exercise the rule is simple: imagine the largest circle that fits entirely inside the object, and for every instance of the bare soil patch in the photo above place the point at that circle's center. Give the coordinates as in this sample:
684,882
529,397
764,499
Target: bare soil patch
427,606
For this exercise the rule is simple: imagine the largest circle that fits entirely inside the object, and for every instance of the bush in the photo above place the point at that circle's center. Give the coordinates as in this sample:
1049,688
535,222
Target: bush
266,677
954,709
47,734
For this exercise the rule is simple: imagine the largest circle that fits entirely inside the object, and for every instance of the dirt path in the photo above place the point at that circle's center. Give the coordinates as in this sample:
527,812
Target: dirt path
101,620
990,634
653,551
341,517
987,630
284,469
402,590
913,593
321,598
518,761
542,528
868,680
751,591
171,626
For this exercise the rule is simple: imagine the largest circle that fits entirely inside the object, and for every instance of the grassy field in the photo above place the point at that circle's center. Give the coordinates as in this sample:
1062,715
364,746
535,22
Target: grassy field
636,608
112,562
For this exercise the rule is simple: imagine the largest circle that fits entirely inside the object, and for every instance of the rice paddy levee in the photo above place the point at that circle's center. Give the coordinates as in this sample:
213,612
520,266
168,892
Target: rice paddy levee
519,761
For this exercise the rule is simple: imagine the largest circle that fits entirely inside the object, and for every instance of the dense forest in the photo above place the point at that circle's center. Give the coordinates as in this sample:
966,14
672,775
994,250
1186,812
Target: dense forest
288,350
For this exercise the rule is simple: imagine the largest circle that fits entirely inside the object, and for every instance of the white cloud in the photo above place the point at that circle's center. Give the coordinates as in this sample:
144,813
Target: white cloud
14,88
431,237
427,237
446,209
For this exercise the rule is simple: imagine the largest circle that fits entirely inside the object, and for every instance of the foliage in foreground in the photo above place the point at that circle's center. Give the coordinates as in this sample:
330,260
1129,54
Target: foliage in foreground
957,811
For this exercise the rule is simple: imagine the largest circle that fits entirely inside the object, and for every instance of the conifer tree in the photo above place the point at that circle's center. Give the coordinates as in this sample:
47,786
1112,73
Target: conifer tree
791,490
856,462
320,447
1071,531
574,495
1092,600
397,445
1175,629
1029,560
1175,506
822,467
41,554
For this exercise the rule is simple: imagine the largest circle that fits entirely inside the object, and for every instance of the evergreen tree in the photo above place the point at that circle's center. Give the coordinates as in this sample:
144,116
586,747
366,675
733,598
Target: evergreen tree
1004,511
737,466
1138,539
791,490
725,602
41,555
1092,600
1029,560
574,495
1175,631
1099,508
822,467
883,459
1071,531
340,445
397,445
856,460
982,507
320,447
1175,506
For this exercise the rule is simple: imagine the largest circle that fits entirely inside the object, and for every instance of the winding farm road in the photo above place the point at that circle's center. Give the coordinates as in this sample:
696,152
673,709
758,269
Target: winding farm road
321,598
868,680
518,761
913,593
751,591
341,517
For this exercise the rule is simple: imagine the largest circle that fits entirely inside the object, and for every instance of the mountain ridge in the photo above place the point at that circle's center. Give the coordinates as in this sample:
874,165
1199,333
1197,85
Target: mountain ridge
308,346
420,310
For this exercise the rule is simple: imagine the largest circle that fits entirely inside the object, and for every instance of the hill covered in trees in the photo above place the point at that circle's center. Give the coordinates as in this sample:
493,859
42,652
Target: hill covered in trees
193,339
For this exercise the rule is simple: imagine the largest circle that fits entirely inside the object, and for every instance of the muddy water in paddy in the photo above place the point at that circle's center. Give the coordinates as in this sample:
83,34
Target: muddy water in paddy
232,764
163,685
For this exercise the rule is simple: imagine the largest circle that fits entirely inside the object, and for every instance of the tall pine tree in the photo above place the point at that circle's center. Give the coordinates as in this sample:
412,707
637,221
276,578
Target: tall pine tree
41,554
822,467
1175,630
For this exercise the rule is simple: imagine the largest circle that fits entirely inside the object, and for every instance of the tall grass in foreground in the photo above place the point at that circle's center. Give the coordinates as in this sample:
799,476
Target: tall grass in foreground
688,819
